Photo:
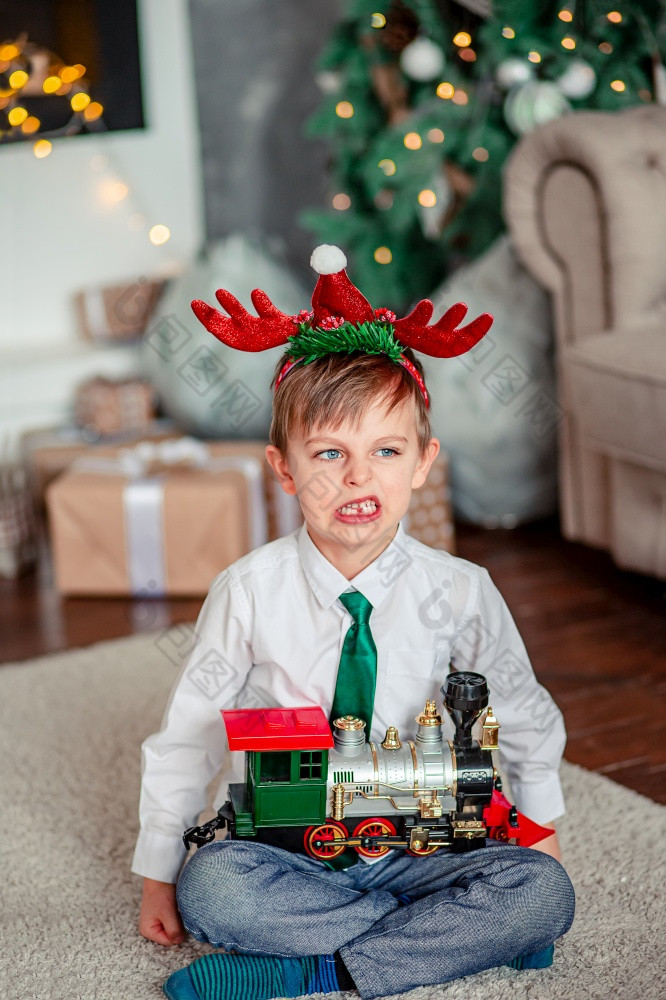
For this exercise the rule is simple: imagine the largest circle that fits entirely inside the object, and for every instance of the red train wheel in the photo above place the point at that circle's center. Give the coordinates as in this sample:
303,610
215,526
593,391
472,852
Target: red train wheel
374,827
320,841
423,852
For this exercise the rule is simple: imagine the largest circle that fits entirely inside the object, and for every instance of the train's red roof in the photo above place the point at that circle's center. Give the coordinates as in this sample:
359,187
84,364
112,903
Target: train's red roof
278,729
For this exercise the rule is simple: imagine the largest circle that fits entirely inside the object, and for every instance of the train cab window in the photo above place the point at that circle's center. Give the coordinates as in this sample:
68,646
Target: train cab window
275,766
310,764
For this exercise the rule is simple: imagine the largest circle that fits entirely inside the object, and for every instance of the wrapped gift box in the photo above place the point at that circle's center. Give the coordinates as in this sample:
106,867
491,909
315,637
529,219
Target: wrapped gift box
113,406
162,517
117,312
17,522
430,515
48,451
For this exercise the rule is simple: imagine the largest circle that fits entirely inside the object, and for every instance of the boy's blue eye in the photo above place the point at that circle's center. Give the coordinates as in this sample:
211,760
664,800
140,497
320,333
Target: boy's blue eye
330,454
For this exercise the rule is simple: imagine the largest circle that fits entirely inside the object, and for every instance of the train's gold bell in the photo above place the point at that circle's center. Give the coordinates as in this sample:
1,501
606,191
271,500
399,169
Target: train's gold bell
392,739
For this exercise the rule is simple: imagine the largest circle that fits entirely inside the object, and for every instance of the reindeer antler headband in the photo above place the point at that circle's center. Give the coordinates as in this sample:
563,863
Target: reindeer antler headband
341,320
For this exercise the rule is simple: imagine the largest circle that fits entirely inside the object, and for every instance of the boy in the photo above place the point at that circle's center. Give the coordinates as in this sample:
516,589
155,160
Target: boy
351,437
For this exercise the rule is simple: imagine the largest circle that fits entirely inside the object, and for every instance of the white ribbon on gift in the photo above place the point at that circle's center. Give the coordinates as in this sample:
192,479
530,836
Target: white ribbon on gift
143,500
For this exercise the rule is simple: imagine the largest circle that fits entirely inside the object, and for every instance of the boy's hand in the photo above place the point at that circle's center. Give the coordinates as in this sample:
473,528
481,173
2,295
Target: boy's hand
550,845
159,920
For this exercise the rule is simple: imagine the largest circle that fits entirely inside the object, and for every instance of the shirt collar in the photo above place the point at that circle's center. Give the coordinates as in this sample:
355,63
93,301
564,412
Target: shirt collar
374,582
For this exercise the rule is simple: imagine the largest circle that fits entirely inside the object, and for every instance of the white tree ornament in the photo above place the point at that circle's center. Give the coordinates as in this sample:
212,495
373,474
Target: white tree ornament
578,81
422,60
512,72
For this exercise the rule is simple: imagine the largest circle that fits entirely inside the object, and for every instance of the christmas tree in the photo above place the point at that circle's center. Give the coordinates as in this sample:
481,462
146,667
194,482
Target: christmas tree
423,101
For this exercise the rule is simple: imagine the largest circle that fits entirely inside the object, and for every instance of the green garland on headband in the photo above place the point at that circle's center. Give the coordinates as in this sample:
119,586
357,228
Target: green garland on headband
371,338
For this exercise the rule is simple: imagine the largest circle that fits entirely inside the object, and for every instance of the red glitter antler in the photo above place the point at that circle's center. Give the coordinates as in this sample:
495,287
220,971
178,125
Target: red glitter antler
442,339
242,330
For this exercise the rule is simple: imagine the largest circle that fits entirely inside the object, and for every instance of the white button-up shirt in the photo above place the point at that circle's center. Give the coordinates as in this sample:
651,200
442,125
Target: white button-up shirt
271,631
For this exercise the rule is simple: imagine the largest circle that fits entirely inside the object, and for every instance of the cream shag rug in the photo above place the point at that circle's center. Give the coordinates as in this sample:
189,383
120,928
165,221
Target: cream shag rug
71,728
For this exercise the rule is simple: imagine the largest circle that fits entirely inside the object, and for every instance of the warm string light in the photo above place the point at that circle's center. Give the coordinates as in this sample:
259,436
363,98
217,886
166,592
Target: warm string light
435,135
383,255
614,17
606,48
159,234
427,198
480,154
565,15
508,32
413,140
462,39
341,202
568,42
388,166
377,21
40,72
112,191
618,86
534,57
344,109
445,90
42,148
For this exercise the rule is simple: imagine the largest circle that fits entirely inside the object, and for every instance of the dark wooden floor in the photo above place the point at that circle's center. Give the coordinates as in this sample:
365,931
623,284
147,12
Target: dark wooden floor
596,636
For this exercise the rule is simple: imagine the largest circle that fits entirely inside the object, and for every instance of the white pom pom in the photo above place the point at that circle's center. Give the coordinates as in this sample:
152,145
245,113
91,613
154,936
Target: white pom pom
327,259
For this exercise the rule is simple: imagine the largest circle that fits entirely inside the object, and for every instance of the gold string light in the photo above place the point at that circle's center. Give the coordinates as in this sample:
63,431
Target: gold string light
445,90
435,135
565,15
344,109
463,39
427,198
568,42
508,32
413,140
383,255
618,86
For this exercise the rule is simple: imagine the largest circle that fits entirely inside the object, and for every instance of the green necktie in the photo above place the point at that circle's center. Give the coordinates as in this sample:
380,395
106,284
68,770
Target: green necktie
357,673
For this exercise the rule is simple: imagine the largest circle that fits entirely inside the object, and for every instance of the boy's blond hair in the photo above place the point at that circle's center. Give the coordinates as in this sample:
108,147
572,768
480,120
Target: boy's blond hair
341,387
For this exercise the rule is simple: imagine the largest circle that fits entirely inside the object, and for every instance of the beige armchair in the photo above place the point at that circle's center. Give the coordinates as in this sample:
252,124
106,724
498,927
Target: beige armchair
585,203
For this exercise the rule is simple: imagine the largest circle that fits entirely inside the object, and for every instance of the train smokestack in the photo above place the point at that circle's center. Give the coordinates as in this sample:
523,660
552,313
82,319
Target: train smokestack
465,696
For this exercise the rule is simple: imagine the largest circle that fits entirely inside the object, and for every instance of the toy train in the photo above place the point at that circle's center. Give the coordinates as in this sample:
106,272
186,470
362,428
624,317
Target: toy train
323,792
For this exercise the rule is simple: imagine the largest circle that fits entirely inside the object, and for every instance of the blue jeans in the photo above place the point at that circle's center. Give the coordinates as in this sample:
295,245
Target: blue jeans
466,912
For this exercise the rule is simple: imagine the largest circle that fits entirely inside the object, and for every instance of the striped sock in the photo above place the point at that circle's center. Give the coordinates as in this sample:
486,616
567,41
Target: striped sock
537,960
237,977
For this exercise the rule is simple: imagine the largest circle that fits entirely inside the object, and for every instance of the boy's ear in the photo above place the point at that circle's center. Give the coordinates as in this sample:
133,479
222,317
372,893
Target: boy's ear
423,468
278,464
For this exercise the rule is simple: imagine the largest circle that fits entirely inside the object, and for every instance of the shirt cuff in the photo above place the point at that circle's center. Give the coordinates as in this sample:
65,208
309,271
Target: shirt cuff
541,801
158,856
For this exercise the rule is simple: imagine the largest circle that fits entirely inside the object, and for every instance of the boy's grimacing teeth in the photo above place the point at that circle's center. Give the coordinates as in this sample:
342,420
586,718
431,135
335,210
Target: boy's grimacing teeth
366,506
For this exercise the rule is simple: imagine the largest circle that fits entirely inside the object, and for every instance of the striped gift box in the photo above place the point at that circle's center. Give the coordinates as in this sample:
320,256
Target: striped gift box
18,545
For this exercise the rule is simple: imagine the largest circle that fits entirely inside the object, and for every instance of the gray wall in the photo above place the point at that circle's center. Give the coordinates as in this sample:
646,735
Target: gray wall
254,64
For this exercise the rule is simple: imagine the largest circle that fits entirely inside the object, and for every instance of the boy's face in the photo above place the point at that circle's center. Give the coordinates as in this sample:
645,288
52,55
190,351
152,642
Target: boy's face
375,467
